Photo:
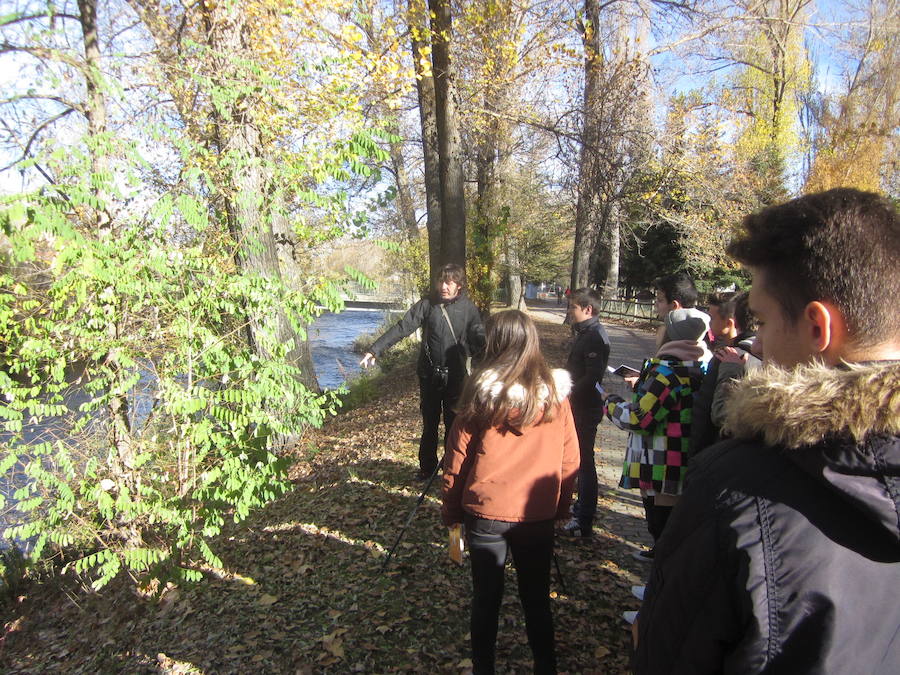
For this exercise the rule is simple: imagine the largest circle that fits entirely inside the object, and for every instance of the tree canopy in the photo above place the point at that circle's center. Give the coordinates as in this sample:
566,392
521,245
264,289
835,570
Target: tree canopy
175,176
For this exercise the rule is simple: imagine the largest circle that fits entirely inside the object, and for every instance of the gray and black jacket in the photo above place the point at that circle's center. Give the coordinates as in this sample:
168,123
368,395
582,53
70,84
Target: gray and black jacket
439,348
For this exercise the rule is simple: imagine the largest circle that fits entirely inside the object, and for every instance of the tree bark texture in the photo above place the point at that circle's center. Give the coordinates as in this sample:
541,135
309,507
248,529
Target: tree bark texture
404,193
614,139
121,456
247,209
588,204
259,253
95,105
428,119
514,282
453,202
485,226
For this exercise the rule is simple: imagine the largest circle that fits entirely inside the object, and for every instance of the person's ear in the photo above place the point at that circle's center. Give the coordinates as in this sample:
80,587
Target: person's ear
827,331
588,309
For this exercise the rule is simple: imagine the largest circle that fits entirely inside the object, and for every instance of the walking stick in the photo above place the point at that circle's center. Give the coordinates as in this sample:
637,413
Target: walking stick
410,517
559,576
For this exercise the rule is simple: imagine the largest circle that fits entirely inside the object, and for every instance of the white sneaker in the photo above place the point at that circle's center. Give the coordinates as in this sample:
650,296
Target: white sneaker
573,529
638,591
630,617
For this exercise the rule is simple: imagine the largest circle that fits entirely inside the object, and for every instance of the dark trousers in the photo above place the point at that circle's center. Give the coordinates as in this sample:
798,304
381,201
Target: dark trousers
531,545
657,517
586,508
433,402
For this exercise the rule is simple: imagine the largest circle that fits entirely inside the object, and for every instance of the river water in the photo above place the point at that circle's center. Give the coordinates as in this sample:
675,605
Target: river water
331,343
331,340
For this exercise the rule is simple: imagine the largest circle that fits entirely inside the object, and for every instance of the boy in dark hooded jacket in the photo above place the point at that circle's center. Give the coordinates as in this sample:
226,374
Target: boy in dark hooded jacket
783,555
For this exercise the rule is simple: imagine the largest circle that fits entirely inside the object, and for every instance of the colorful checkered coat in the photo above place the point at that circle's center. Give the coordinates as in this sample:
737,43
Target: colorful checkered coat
659,419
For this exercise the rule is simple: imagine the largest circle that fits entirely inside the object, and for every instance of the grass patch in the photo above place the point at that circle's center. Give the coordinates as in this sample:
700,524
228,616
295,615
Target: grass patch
367,386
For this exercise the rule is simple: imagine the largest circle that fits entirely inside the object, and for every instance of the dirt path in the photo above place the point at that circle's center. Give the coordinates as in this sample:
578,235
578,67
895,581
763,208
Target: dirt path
303,590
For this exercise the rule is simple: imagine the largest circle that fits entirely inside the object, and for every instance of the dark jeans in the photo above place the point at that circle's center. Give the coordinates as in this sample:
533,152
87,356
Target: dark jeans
657,517
586,508
531,545
432,402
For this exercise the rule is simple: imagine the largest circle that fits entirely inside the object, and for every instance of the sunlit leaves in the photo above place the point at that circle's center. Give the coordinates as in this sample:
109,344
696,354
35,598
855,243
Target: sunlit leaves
205,450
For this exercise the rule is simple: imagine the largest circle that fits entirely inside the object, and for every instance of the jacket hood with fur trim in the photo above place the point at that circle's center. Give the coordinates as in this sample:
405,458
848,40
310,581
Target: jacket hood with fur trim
802,406
489,387
842,425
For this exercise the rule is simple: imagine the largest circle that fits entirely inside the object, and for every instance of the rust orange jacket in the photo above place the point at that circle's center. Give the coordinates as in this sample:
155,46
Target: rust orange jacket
501,473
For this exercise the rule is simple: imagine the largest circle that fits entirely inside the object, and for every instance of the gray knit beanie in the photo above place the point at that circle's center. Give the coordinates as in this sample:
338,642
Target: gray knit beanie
686,324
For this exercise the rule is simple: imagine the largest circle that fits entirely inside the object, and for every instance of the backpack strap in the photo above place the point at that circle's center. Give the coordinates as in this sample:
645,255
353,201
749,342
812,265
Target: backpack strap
467,360
449,323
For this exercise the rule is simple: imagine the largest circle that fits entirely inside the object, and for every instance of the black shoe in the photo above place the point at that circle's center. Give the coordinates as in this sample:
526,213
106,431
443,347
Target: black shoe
424,475
644,556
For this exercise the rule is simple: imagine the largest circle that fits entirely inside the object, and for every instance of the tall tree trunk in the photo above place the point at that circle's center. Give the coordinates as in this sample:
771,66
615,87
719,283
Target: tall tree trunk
121,457
492,169
95,106
255,213
588,205
484,229
585,238
300,354
405,206
453,202
428,118
404,193
611,283
258,250
515,278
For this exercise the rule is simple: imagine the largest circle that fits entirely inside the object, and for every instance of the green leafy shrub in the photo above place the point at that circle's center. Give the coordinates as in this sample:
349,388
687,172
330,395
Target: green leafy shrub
142,495
13,566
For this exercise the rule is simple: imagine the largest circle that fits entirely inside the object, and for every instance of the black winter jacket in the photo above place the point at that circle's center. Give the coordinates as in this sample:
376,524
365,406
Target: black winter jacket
438,346
783,555
587,365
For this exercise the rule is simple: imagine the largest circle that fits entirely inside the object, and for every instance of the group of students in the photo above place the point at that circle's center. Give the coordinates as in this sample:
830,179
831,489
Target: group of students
775,551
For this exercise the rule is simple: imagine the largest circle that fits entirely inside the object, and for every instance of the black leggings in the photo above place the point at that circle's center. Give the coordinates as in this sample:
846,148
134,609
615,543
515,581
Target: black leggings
531,545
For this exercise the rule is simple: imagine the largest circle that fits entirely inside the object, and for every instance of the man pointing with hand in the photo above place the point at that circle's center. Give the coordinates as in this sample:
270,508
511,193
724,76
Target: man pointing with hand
452,334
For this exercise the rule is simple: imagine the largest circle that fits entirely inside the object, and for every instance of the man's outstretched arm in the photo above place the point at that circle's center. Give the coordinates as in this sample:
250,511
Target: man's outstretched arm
413,319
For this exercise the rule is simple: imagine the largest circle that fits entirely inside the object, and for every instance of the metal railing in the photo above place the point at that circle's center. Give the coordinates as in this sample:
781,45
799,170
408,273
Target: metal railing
385,293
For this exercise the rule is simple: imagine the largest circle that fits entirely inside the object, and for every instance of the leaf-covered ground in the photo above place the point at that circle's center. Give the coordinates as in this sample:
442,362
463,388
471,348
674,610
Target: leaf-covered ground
305,591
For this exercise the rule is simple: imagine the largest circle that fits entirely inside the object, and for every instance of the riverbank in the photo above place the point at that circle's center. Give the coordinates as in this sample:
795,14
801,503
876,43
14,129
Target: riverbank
303,588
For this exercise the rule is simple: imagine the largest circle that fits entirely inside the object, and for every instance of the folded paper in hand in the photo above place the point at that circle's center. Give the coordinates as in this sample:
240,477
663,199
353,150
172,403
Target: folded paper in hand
623,371
457,544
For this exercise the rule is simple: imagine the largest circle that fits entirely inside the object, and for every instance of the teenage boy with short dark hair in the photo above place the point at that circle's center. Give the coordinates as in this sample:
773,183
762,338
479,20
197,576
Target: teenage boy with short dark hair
587,365
730,362
675,291
720,308
783,555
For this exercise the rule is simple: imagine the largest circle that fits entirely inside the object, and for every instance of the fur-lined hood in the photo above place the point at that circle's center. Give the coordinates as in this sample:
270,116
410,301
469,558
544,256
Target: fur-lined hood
803,406
489,387
839,425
